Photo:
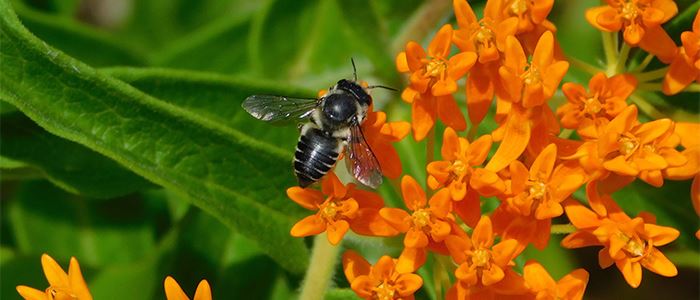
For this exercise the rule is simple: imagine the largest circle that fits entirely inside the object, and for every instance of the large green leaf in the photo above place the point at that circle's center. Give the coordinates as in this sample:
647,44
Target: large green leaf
44,219
232,176
69,165
215,97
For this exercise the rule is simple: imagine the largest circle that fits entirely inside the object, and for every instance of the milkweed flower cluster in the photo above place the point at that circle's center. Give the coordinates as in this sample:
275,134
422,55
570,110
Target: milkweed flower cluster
511,61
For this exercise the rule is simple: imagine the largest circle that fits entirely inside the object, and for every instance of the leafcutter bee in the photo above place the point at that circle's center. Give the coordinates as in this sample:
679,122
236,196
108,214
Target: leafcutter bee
331,125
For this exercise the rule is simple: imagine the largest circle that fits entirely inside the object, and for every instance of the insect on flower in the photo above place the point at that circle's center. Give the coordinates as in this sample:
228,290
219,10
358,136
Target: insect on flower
333,124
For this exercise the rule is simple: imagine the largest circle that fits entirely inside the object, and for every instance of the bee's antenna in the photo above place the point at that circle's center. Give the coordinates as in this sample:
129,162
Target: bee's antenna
383,87
354,70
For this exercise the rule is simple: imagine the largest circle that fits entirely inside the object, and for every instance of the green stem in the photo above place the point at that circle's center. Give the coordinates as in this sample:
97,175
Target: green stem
646,107
441,277
584,66
644,64
421,23
320,271
651,75
562,229
693,88
566,133
649,86
622,59
430,147
610,52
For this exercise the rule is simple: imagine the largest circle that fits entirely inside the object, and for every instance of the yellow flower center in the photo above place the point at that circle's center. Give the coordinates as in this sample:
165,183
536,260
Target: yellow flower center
481,258
421,218
531,76
629,10
60,294
459,168
384,292
592,106
483,37
518,7
650,147
628,145
436,67
538,190
635,248
329,210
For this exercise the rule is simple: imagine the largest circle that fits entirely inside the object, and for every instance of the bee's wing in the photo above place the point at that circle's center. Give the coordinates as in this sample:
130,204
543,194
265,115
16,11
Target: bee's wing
362,162
277,109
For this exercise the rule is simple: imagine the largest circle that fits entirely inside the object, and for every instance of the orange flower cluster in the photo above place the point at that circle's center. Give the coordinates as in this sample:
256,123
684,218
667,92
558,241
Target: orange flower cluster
531,164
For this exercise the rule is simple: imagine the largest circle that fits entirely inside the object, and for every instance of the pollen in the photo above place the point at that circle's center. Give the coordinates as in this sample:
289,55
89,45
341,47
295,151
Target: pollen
629,11
329,210
384,292
481,258
635,248
532,76
421,218
436,67
628,145
592,106
538,190
459,168
518,7
483,37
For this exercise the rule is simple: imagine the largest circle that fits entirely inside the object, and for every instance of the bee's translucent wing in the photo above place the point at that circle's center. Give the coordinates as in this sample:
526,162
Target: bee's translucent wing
362,163
277,109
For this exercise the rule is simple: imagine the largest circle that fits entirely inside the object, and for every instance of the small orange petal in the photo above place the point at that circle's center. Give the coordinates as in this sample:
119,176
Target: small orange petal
30,293
336,231
573,285
423,116
450,113
54,273
173,291
657,262
515,140
440,45
311,225
354,265
77,282
413,194
415,239
203,291
482,236
537,277
632,271
492,275
407,284
402,63
307,198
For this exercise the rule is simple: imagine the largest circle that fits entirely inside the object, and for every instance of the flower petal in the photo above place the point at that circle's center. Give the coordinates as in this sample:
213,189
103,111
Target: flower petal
173,291
336,231
415,239
407,284
77,282
31,293
440,45
354,265
515,140
423,116
54,273
657,262
482,236
203,291
307,198
311,225
450,113
537,277
632,271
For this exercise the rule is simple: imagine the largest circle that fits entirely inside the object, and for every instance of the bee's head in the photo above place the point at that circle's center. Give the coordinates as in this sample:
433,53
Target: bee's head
359,92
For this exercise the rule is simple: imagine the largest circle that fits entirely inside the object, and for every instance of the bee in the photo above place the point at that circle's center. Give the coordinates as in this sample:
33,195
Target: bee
331,124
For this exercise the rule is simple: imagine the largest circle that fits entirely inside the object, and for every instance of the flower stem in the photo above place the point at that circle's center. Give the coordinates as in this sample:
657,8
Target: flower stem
651,75
563,228
644,64
647,108
610,52
693,88
320,271
430,147
584,66
421,23
649,86
622,59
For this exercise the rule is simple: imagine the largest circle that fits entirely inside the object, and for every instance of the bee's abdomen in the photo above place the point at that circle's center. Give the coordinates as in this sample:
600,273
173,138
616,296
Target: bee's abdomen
315,155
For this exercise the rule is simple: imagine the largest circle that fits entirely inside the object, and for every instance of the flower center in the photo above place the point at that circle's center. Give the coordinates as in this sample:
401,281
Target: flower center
531,76
634,247
60,294
481,258
436,67
329,210
538,190
483,37
629,11
518,7
628,145
421,218
459,168
384,292
592,106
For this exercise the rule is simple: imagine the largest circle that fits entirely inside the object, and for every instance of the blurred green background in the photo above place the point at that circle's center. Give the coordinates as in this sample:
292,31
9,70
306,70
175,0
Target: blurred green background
135,157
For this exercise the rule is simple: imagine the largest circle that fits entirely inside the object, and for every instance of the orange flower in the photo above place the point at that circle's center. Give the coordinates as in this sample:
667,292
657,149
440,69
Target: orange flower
628,243
483,266
342,208
458,174
433,80
642,150
641,22
380,134
487,38
688,138
530,13
569,287
387,279
61,285
533,82
430,221
173,291
685,68
586,111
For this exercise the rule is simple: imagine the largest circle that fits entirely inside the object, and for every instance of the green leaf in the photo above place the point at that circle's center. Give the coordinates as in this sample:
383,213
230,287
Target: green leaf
230,175
215,97
69,165
340,294
44,219
93,46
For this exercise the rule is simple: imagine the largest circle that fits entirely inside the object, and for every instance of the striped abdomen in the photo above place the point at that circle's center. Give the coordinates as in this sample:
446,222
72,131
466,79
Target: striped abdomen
315,155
